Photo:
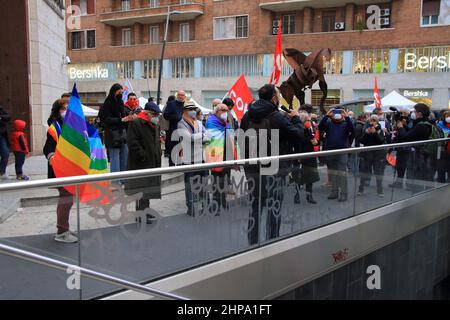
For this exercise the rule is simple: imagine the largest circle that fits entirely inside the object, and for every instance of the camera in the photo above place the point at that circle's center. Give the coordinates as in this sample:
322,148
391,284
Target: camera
397,116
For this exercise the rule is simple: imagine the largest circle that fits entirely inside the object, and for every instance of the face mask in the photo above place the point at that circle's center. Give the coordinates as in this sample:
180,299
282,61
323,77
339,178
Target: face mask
308,125
155,120
413,116
224,116
447,119
192,114
63,114
338,116
119,97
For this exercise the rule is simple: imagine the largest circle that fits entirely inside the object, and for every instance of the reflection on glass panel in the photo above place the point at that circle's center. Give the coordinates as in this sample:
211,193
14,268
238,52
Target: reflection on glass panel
429,59
371,61
42,221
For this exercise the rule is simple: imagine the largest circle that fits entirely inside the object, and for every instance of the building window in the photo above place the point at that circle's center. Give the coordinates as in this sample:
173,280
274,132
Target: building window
125,5
232,66
150,69
371,61
154,34
185,1
92,97
86,6
183,68
335,65
334,97
230,27
184,32
430,12
288,24
430,59
125,69
126,37
82,39
328,21
153,3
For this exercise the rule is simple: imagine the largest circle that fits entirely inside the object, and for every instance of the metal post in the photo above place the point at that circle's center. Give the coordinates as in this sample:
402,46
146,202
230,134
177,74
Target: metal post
158,95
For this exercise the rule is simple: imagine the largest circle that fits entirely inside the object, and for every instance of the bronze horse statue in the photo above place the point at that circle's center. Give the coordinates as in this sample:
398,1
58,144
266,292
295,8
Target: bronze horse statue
307,71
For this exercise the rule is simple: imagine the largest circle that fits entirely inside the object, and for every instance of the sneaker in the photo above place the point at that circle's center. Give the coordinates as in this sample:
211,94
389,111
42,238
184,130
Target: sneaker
381,195
66,237
25,178
360,193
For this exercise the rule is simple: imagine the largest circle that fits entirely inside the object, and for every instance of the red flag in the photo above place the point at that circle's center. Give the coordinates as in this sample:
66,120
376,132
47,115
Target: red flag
376,95
276,71
241,95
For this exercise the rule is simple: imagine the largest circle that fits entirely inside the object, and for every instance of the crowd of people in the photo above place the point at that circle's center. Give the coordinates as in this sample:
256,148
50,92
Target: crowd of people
134,136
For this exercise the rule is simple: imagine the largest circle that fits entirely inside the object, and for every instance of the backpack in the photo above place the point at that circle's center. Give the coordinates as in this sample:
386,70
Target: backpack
436,133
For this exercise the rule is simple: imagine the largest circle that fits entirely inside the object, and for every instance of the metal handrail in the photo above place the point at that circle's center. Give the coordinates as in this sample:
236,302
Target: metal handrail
59,182
88,273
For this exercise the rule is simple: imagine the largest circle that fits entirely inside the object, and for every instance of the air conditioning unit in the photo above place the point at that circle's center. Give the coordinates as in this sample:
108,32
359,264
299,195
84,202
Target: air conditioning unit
384,22
385,12
275,23
274,31
339,26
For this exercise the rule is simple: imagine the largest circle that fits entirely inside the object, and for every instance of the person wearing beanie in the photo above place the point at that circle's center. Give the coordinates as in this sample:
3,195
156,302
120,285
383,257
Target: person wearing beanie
143,140
19,146
420,131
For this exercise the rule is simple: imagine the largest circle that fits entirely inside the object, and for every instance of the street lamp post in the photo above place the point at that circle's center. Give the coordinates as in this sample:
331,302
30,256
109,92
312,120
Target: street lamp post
158,96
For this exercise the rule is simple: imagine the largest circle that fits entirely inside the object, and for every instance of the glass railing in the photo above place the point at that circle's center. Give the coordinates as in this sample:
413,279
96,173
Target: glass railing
141,232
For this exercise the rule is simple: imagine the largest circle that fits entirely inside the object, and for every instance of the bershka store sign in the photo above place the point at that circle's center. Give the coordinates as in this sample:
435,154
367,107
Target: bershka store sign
417,93
83,72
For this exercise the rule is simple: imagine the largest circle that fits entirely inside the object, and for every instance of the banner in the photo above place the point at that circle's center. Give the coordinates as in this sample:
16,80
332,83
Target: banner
376,96
242,97
127,89
276,71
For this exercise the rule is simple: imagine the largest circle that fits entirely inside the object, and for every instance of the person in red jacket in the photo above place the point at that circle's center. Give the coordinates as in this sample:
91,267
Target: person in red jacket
19,146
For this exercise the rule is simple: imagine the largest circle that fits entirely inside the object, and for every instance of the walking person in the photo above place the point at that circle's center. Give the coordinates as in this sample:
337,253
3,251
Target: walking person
65,200
114,119
221,148
194,137
173,112
338,128
144,145
373,161
4,143
19,146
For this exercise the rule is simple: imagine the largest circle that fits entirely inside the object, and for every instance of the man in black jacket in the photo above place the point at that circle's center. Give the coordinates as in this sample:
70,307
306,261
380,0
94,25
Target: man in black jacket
173,112
264,114
420,131
4,143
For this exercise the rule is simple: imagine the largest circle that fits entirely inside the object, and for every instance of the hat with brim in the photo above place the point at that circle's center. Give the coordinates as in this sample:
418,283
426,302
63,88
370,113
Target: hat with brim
151,106
189,105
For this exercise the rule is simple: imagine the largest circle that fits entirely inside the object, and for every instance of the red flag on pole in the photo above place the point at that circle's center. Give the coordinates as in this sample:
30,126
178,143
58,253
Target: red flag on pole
376,95
276,71
241,95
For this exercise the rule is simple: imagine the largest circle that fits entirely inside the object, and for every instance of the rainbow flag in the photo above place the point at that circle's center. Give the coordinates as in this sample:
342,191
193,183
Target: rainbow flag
74,155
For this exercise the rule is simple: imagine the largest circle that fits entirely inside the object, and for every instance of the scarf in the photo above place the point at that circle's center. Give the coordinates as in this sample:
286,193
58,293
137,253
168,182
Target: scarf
144,116
218,132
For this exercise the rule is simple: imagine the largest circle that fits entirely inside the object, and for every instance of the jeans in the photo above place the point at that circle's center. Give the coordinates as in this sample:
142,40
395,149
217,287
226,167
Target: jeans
118,157
4,154
20,160
376,166
337,166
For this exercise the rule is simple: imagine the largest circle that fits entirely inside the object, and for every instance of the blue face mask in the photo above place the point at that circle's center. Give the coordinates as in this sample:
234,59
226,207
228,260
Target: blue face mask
192,114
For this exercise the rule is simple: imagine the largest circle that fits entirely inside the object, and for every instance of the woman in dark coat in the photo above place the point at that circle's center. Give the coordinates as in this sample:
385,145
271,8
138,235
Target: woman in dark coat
114,121
309,172
144,153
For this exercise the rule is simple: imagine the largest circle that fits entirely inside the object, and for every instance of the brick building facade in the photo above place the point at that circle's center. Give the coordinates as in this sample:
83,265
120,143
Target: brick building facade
210,42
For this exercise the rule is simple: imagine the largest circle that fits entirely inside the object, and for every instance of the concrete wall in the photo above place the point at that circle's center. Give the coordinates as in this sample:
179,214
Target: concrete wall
48,73
415,267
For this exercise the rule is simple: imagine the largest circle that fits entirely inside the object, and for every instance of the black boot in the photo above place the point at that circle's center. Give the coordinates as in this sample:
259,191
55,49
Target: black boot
310,199
138,219
149,218
343,197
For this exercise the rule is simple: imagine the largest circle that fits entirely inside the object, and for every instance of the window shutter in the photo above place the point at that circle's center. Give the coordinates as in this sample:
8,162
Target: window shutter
431,7
90,6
